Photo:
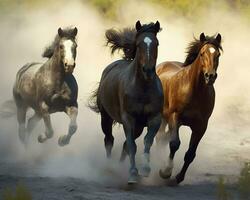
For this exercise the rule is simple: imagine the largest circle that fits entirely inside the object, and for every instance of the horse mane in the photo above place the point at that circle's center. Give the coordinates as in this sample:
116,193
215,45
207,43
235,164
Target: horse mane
195,46
49,50
125,39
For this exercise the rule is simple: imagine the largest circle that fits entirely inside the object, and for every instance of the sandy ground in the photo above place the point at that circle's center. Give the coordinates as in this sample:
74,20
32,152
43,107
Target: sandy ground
78,188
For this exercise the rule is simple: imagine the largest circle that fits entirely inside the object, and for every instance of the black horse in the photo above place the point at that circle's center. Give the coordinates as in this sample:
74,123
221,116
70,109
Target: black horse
130,92
49,87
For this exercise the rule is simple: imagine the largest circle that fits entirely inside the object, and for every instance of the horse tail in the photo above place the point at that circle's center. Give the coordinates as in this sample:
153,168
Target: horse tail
8,109
122,40
92,102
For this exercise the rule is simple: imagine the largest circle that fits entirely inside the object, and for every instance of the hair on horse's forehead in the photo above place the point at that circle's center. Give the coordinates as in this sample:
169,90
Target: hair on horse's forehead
212,49
147,40
67,42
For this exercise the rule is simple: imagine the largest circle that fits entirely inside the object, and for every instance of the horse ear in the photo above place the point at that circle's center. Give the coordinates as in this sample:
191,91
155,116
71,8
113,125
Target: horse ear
75,31
218,38
138,25
60,32
202,37
157,27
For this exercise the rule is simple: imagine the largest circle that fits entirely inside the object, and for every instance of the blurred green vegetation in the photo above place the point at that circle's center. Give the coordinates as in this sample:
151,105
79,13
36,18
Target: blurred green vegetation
244,182
243,185
21,193
222,193
107,8
185,8
110,8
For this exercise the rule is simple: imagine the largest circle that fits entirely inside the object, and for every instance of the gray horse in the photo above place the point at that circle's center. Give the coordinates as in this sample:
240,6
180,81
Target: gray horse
48,88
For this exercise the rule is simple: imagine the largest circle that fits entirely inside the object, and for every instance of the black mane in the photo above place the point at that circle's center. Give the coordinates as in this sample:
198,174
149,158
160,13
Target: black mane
194,48
49,50
125,39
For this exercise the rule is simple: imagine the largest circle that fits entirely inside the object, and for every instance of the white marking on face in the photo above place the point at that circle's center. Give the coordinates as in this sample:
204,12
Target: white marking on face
148,41
212,49
68,52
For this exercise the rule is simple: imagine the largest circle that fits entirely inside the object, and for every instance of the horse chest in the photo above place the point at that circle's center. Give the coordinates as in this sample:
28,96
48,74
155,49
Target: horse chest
195,113
190,115
140,105
60,99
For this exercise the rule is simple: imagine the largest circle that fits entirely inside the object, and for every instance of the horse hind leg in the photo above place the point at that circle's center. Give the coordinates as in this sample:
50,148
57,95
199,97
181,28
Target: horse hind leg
174,145
162,137
21,118
106,123
47,122
72,113
32,122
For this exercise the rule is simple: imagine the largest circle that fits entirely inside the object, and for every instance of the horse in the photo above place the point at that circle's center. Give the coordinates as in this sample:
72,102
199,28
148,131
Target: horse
48,88
130,92
189,98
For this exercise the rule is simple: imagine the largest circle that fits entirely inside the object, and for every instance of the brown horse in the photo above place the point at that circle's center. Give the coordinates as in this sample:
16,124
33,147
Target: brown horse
189,98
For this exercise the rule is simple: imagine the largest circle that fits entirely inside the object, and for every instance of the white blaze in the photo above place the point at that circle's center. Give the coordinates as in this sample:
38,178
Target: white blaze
148,41
212,49
69,59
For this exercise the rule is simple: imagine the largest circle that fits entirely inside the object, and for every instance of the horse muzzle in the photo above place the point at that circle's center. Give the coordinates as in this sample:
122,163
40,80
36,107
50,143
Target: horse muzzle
210,78
69,68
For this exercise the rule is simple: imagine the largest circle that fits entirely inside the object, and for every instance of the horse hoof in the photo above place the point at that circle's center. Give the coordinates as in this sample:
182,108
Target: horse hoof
132,180
41,139
165,174
145,171
133,177
172,182
63,140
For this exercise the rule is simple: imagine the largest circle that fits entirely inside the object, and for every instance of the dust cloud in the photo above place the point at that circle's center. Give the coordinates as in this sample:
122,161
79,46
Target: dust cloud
25,33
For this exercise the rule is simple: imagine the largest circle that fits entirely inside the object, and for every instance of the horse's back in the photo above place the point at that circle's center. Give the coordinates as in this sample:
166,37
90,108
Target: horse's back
168,68
116,67
110,88
25,76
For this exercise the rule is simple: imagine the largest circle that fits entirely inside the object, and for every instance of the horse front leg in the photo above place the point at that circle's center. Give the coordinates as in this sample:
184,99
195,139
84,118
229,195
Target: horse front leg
72,113
174,145
153,126
197,134
44,109
129,129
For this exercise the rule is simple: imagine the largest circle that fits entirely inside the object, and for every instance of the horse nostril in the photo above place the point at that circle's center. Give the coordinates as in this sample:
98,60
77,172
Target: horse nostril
206,75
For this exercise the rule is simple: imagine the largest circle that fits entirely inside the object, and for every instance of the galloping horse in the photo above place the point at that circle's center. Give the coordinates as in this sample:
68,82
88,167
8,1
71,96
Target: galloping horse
189,98
130,92
49,87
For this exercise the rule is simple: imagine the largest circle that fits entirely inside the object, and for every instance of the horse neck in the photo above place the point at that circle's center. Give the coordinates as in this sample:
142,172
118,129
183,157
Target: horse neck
57,71
137,73
197,85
